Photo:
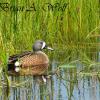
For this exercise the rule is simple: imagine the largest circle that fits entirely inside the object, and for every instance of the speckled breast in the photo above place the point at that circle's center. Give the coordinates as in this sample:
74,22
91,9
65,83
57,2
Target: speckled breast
35,64
35,59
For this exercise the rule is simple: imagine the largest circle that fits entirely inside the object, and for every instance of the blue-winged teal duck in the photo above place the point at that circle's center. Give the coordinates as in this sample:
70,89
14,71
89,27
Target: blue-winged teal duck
31,62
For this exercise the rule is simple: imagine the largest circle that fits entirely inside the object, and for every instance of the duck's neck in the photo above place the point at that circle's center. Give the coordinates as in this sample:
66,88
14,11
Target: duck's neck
38,51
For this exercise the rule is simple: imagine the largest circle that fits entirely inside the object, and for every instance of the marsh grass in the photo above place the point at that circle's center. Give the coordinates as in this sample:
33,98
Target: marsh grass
75,28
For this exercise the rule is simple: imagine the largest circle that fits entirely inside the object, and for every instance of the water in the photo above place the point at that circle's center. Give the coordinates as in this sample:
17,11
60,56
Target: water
68,84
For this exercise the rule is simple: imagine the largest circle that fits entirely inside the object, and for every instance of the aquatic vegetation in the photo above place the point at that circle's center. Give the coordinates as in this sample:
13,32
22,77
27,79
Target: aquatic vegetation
78,23
71,27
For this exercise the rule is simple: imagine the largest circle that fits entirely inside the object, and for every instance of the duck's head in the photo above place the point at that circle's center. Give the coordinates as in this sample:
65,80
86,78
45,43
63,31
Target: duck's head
40,45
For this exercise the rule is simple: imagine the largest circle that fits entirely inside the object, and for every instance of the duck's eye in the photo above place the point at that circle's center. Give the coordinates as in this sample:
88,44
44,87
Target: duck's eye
41,43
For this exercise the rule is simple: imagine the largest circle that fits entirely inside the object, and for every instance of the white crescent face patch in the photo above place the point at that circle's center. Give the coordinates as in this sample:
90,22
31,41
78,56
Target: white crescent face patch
44,44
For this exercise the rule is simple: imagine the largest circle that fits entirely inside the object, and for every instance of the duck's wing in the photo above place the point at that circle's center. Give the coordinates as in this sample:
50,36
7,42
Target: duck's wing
17,56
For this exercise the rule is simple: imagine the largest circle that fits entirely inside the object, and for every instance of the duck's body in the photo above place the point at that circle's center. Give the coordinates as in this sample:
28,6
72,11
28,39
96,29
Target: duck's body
32,62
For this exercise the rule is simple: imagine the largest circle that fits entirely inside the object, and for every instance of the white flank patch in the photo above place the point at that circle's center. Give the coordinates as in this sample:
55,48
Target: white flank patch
43,45
17,69
17,63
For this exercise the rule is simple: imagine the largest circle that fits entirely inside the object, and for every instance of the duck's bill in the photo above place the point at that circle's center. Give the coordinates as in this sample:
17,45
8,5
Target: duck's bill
49,48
